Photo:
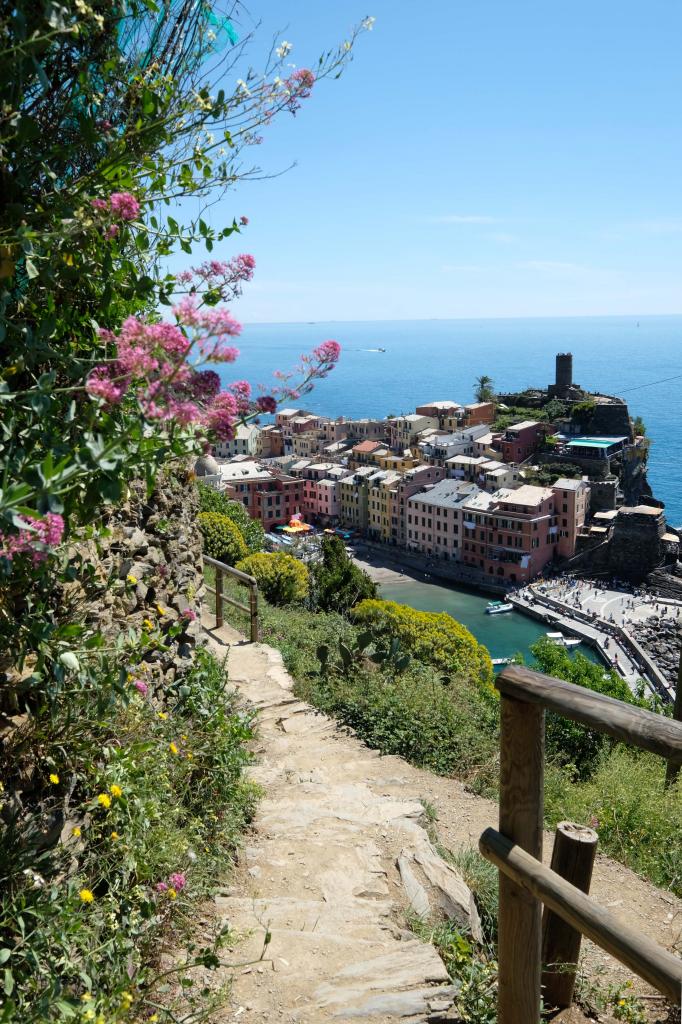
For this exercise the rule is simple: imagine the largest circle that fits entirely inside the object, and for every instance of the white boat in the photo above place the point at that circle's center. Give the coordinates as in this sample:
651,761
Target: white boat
563,641
496,607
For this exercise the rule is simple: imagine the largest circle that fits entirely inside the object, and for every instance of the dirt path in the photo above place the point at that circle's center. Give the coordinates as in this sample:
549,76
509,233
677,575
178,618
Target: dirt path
321,871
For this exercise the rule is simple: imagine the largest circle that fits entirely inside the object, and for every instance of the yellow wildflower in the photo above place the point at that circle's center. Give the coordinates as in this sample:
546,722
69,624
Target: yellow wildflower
89,1014
115,790
172,894
162,715
75,831
126,1000
101,1020
621,1002
154,1017
114,836
86,997
131,578
86,896
54,779
189,756
173,749
161,610
148,624
104,800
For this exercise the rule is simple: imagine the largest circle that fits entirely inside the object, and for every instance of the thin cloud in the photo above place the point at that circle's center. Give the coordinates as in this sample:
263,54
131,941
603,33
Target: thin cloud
503,237
462,268
552,266
464,218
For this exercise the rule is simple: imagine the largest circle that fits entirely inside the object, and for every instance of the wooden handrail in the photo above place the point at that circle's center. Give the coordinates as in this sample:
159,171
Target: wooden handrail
243,579
659,735
517,848
643,956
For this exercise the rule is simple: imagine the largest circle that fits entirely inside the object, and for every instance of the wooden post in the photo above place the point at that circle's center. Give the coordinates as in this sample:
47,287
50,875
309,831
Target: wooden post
522,749
218,598
673,769
253,608
573,856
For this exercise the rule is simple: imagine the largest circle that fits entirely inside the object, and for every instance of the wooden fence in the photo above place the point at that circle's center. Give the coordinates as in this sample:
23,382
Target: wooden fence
251,609
516,850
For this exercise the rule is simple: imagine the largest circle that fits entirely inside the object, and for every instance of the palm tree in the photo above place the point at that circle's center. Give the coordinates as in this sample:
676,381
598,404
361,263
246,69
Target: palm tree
484,389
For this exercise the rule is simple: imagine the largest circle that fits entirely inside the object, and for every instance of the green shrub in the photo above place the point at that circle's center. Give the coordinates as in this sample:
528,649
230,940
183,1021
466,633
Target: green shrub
339,583
433,638
282,579
211,500
574,745
223,539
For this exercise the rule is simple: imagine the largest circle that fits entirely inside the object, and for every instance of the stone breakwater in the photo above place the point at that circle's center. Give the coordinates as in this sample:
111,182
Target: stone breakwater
661,639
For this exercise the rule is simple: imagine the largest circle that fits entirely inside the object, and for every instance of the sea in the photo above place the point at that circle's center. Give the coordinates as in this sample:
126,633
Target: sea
390,366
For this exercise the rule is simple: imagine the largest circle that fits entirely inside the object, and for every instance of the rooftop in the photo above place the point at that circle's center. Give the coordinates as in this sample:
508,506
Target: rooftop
527,495
524,425
243,470
367,446
569,485
594,442
446,494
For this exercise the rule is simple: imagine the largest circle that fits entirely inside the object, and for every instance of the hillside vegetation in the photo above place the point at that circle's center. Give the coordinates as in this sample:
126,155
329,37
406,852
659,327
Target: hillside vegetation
447,722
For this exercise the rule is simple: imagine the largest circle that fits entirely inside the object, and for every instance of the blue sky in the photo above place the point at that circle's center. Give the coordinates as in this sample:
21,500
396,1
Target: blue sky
479,158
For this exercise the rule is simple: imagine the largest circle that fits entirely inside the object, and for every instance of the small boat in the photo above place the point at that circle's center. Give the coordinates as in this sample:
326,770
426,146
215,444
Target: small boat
563,641
496,607
502,661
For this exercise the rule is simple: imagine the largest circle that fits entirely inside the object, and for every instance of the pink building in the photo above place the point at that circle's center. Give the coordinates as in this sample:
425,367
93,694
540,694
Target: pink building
522,439
572,501
433,519
515,537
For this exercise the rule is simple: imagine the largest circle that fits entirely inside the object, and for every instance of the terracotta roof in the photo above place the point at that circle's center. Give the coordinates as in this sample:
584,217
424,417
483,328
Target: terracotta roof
367,446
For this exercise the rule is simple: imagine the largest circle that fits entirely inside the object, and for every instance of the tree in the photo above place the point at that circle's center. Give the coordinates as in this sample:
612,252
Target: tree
282,579
554,410
223,540
339,583
211,500
484,389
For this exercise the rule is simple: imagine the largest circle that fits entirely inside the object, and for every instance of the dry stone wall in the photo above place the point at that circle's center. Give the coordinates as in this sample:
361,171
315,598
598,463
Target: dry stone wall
149,567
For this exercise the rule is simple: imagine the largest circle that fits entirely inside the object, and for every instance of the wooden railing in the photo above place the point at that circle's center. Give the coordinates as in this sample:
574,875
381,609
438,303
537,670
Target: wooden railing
221,598
516,850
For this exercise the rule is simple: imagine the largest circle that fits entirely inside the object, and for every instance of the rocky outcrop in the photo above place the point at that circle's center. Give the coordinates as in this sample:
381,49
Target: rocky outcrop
661,639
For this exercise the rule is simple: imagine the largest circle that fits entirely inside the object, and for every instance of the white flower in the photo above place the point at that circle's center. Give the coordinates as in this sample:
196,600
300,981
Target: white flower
211,36
283,50
368,24
243,87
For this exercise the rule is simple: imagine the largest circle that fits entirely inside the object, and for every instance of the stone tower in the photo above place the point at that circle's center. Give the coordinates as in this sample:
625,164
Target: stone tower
564,371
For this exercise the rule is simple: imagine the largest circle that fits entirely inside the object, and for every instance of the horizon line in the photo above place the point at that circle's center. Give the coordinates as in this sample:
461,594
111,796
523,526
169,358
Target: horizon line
449,319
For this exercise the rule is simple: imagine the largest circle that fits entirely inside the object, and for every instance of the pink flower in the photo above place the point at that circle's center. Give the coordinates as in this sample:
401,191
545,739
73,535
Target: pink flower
109,383
178,881
327,352
203,385
185,277
221,416
266,403
111,231
243,221
124,205
34,539
99,204
141,687
241,389
161,887
190,615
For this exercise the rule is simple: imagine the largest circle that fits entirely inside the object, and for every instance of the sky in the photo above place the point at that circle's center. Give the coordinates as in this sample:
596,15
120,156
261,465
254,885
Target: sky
478,158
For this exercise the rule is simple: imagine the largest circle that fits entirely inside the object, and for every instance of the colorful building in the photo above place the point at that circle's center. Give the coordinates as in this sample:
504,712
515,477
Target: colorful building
433,518
521,440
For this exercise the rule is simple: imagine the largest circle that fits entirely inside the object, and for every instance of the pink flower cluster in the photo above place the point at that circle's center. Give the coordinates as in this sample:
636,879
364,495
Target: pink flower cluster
223,276
34,540
176,881
122,205
298,86
149,362
141,687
